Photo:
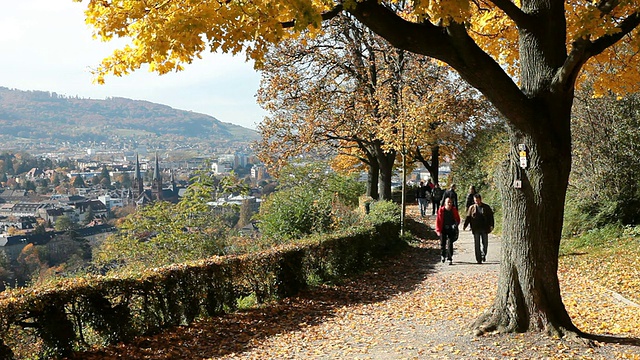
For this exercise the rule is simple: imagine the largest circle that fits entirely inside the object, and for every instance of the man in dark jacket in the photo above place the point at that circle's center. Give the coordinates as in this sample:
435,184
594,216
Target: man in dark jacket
480,217
451,193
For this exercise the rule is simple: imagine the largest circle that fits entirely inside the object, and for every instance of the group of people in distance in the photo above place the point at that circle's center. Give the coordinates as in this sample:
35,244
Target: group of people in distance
479,216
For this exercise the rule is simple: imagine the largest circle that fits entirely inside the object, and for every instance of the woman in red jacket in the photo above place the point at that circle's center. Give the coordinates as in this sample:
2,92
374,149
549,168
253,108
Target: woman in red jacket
447,222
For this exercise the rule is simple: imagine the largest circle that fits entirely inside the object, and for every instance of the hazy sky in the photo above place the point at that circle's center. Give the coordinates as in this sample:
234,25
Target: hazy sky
46,45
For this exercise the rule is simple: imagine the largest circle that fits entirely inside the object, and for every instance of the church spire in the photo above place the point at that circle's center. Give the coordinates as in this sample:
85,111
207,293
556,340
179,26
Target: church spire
157,180
156,171
138,182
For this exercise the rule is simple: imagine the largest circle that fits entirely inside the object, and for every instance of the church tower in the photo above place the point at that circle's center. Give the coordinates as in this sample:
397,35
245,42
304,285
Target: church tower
156,186
174,186
138,181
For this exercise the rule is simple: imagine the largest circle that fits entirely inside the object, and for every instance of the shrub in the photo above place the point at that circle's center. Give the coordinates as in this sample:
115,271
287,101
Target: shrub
163,234
383,211
295,212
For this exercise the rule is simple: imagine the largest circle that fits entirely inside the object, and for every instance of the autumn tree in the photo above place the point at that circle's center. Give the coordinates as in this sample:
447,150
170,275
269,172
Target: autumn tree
526,57
163,233
29,264
324,97
350,91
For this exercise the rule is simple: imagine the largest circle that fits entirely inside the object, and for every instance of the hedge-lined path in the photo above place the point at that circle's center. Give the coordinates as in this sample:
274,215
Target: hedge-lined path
410,307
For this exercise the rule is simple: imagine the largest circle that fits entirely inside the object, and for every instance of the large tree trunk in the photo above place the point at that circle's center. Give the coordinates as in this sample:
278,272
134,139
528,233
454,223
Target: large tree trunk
373,179
433,164
528,296
385,161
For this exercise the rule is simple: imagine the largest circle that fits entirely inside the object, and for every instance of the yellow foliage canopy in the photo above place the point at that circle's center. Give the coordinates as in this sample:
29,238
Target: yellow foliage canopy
167,34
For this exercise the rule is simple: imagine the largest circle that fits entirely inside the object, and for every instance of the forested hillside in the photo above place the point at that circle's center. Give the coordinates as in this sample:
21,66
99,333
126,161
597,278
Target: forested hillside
44,115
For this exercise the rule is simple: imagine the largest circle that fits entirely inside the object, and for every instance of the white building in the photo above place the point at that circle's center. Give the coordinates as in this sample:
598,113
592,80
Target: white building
111,202
221,168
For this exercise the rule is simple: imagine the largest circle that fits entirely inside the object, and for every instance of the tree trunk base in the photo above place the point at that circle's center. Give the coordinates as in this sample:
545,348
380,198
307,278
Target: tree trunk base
499,322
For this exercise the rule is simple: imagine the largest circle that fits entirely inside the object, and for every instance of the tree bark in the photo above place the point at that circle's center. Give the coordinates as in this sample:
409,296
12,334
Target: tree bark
385,161
373,179
528,296
433,164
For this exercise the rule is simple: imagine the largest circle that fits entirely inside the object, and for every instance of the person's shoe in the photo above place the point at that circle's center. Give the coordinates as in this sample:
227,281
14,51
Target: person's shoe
484,258
443,259
450,262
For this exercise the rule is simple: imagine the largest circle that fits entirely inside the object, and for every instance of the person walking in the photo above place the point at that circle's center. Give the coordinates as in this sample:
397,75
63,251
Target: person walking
436,197
430,185
422,194
480,218
447,222
451,194
470,201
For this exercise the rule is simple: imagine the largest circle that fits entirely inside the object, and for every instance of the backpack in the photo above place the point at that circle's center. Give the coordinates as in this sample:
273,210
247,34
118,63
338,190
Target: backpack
437,194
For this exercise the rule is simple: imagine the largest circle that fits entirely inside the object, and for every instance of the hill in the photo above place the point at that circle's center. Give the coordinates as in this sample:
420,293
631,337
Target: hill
46,116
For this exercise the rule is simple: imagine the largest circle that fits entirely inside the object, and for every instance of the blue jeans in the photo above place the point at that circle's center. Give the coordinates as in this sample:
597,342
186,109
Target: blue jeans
423,203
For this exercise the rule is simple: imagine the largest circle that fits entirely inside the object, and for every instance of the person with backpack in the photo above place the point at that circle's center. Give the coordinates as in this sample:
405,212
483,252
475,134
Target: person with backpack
422,194
436,197
480,218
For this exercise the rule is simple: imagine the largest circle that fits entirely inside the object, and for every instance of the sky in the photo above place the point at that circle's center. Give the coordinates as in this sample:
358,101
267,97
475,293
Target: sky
46,46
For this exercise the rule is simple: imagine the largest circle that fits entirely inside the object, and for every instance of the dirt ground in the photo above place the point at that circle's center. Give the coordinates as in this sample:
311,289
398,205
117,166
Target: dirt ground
410,307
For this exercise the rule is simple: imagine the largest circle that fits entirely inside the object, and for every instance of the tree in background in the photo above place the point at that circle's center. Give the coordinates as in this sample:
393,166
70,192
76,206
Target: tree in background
64,223
526,58
310,199
604,183
6,274
318,175
163,233
6,163
78,182
104,174
125,181
348,93
326,96
29,264
89,216
56,180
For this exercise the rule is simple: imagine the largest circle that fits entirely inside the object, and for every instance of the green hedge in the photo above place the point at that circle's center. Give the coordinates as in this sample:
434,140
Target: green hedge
83,312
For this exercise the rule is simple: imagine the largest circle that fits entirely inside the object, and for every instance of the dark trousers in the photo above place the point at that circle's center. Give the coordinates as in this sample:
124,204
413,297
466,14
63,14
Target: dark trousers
447,237
435,205
481,238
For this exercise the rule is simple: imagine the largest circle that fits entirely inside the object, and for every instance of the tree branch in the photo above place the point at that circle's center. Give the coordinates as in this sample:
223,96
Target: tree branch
521,19
454,46
325,16
626,26
583,49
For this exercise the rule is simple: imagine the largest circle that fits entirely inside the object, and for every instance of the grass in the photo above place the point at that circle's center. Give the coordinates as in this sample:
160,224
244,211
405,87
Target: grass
608,257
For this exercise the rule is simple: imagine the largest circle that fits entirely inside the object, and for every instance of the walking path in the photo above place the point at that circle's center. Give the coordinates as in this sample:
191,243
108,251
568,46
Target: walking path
411,307
464,258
